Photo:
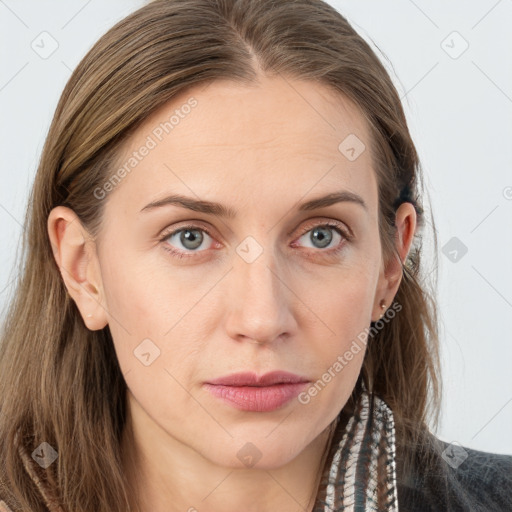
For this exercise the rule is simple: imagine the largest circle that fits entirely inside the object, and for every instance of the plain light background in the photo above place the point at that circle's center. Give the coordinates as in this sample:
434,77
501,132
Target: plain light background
452,64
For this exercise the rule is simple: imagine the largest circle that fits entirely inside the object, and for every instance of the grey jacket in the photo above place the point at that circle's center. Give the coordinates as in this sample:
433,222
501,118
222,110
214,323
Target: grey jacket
465,480
458,478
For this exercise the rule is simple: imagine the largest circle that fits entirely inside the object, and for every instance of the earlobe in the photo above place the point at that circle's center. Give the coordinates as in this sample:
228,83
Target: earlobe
75,255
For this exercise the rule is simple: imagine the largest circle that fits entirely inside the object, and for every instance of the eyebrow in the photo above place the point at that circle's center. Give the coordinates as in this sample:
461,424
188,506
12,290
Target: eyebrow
220,210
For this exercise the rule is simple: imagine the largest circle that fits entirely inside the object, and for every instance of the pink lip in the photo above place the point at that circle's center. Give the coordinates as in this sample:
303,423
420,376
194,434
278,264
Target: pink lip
250,392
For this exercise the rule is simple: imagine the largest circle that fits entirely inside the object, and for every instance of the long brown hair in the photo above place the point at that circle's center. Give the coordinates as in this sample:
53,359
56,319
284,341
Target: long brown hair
60,382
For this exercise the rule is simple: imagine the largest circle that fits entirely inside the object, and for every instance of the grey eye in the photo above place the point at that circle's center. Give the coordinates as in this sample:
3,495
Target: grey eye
321,236
190,238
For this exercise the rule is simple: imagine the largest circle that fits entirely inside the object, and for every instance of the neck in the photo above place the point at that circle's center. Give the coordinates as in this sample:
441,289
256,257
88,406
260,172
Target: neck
164,475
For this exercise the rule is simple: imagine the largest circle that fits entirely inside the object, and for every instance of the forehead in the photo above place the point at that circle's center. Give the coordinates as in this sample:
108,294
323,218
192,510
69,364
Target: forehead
234,142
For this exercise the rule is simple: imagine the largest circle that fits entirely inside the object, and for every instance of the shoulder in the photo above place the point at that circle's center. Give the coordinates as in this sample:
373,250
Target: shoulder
463,479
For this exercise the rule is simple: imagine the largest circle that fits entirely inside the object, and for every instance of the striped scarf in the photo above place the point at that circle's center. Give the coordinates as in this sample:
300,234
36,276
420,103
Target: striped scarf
361,476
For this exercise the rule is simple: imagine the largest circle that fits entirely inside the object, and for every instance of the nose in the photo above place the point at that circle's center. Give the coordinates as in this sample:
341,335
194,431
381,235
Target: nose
260,301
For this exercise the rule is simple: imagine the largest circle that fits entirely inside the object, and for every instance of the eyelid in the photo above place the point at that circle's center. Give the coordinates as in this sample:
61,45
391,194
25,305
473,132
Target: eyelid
344,230
192,224
335,224
196,223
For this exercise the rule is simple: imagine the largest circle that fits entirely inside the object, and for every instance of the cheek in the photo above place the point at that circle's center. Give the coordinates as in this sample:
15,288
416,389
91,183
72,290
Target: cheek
339,333
341,304
151,314
137,298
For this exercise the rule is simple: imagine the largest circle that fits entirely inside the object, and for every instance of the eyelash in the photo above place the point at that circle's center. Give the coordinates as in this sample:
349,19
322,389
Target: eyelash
330,252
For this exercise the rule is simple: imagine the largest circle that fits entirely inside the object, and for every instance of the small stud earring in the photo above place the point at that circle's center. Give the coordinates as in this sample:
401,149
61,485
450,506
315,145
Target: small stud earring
383,306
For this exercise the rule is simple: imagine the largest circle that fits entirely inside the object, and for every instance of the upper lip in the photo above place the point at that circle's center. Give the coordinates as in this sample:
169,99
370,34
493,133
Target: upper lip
252,379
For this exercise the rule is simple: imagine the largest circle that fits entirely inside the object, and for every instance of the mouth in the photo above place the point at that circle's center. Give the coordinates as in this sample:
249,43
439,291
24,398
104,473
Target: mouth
250,392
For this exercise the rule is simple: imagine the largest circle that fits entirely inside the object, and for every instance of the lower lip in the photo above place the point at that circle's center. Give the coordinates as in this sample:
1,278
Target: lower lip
257,399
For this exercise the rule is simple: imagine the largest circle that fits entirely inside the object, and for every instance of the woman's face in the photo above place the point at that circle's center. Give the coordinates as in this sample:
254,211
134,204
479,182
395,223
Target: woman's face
187,308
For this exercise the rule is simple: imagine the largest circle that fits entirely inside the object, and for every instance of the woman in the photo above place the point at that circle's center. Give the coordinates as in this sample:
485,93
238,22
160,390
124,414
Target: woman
221,307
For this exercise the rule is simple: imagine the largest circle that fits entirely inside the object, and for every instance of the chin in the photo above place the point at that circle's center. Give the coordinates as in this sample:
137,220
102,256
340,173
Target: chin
258,451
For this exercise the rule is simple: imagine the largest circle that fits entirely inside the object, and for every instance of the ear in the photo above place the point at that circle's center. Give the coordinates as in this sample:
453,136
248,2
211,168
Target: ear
391,275
75,253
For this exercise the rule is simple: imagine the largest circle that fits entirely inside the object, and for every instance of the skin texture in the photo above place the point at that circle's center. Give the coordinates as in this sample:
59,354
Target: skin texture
259,150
